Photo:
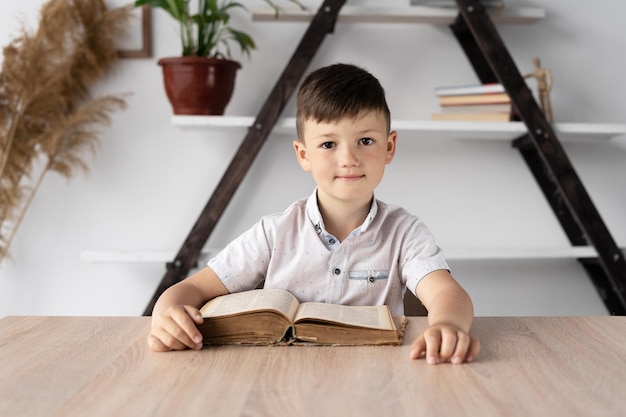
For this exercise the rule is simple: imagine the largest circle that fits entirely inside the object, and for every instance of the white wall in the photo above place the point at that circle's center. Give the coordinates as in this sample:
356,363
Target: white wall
149,180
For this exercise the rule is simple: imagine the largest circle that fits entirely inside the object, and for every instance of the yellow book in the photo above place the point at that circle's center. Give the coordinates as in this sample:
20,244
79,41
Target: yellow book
495,98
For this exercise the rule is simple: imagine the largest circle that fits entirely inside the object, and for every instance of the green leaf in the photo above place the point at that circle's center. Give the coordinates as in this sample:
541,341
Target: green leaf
205,33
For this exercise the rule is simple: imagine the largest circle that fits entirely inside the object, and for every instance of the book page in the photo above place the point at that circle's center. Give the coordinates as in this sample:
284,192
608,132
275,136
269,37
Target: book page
250,301
376,317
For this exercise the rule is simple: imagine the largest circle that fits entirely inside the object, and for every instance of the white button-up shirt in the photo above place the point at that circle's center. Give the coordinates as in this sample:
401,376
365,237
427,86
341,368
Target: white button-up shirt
391,251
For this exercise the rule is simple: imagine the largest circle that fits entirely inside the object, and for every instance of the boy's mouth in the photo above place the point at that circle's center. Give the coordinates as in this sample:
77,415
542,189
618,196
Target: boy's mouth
350,177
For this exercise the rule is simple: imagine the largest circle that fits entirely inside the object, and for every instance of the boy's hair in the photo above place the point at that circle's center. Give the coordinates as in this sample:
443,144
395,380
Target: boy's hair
339,91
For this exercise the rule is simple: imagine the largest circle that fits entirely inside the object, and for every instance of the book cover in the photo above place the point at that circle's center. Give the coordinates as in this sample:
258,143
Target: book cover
497,98
478,108
472,117
471,89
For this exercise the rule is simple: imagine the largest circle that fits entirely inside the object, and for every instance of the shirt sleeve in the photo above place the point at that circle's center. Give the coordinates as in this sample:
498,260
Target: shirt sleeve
243,263
420,255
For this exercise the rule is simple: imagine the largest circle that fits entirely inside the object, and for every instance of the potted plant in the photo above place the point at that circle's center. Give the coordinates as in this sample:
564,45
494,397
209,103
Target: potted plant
202,79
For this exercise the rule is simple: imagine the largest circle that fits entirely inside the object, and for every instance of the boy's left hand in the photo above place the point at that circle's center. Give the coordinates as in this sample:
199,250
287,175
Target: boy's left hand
442,342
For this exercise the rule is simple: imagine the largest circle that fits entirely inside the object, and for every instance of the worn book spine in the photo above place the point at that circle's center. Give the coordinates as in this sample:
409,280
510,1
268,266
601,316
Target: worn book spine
472,117
478,108
457,90
475,99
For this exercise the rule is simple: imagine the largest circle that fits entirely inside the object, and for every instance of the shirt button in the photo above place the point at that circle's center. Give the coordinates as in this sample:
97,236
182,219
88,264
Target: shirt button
336,271
371,279
331,241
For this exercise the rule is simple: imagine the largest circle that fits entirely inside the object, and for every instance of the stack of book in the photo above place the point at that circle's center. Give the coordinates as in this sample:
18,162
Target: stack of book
481,102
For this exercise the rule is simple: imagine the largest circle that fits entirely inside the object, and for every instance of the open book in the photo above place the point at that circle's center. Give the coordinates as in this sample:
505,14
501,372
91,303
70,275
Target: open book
273,316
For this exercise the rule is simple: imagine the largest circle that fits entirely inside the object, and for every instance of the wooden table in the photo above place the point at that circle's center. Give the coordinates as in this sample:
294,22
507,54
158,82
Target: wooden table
86,366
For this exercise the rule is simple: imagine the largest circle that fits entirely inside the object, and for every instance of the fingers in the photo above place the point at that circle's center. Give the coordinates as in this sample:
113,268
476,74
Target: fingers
176,329
156,345
454,347
442,343
474,349
418,347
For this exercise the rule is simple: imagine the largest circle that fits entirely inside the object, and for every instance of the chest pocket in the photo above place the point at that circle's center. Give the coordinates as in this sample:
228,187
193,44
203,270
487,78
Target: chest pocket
369,275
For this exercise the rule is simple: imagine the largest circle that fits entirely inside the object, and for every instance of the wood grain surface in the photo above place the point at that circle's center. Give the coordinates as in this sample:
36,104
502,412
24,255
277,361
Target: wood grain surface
100,366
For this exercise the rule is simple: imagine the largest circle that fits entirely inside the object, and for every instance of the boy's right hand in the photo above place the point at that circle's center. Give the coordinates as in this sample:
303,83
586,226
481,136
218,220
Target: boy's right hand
176,329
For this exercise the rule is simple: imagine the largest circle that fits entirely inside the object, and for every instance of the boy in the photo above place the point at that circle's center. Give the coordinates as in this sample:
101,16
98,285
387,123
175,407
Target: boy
340,245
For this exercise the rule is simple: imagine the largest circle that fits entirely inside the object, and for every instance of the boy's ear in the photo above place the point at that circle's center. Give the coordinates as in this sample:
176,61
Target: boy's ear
301,155
391,146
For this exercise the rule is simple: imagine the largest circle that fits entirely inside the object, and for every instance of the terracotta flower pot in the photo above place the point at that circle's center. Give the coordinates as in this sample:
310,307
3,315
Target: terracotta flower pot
199,85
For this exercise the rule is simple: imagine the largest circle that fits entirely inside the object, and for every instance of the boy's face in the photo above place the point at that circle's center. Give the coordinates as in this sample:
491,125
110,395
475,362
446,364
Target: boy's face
347,158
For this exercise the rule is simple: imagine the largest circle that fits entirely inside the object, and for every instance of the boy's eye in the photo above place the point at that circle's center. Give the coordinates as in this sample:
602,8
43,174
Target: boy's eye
367,141
327,145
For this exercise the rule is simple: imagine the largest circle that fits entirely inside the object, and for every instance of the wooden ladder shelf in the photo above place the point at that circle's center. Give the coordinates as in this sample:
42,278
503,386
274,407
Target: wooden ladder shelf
540,148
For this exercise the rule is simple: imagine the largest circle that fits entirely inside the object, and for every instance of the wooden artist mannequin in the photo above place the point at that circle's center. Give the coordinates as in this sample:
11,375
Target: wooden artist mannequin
544,85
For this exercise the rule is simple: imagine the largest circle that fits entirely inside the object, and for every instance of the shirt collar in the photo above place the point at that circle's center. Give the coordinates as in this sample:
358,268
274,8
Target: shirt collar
315,216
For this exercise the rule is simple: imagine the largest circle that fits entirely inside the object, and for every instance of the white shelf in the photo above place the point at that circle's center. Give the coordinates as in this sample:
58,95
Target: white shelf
426,128
227,122
569,252
136,256
125,256
413,14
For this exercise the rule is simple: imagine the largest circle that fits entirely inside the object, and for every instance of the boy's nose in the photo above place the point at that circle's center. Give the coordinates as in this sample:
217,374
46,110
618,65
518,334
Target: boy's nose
349,157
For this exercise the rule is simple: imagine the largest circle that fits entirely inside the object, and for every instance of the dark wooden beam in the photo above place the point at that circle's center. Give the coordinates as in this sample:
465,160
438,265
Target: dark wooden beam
571,228
322,24
550,151
550,190
603,286
472,51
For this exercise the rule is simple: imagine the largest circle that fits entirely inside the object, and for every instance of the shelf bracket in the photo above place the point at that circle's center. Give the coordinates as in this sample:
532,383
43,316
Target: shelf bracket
547,159
322,24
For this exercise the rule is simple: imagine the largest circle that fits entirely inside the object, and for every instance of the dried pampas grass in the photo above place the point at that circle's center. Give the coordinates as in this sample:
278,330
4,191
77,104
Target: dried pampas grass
48,121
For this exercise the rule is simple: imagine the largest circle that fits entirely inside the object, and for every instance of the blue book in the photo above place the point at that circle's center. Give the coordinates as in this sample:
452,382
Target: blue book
471,89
